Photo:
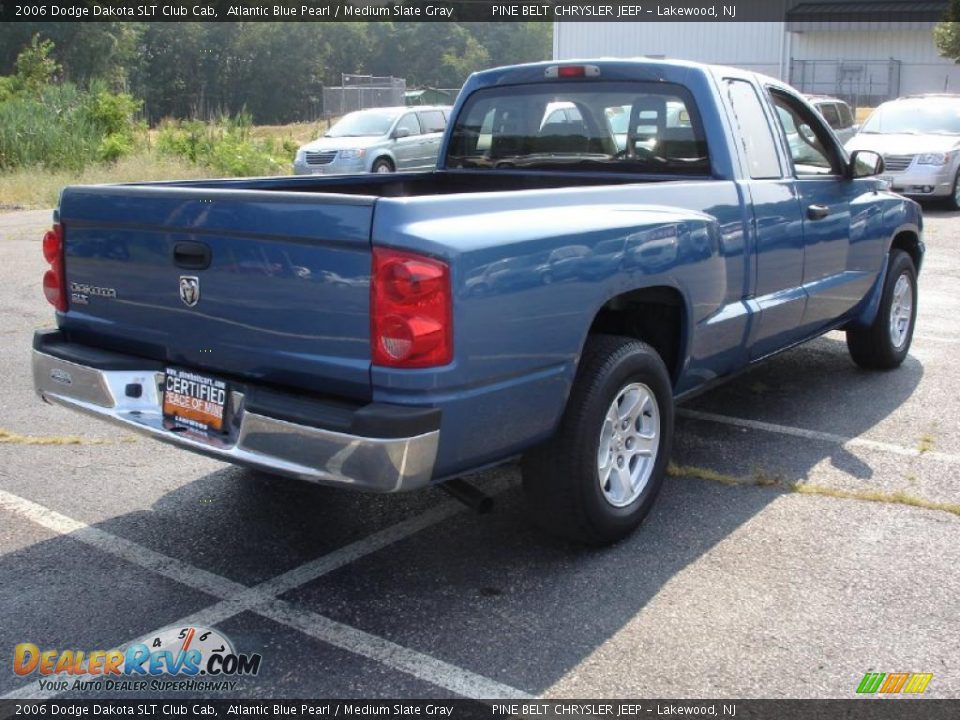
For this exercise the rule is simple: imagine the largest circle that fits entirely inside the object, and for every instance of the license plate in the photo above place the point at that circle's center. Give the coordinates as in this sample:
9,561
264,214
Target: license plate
888,179
195,400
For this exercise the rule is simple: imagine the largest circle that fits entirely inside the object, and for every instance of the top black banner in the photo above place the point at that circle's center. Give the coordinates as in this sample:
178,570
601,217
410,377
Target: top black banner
882,11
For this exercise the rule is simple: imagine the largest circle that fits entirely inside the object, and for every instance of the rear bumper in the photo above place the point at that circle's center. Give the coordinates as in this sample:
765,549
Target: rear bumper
271,431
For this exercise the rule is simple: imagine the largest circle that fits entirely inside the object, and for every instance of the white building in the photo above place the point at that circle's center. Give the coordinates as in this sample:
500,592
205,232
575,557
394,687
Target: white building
865,52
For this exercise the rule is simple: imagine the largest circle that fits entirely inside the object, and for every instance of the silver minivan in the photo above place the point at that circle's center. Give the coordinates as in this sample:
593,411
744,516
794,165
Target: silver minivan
379,140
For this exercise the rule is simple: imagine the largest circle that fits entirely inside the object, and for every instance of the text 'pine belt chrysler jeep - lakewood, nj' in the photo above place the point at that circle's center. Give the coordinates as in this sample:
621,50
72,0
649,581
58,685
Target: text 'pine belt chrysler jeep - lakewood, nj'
599,239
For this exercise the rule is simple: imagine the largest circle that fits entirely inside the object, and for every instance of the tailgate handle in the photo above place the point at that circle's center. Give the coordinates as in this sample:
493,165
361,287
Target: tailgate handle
192,255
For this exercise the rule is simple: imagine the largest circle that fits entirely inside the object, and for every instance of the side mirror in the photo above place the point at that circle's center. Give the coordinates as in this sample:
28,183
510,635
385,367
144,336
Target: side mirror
401,132
865,163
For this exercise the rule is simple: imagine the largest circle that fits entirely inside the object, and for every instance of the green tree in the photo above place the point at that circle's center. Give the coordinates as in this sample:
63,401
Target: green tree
946,35
35,68
86,51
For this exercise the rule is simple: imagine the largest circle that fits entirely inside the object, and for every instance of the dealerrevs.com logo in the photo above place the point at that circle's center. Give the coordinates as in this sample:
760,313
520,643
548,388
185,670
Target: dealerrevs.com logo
176,658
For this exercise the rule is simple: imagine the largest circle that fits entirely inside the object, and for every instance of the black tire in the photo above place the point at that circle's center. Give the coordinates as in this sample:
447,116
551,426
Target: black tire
561,479
382,165
953,202
874,348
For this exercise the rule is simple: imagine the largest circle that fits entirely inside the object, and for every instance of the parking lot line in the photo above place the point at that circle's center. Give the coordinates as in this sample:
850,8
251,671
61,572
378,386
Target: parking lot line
949,339
422,666
132,552
262,598
817,435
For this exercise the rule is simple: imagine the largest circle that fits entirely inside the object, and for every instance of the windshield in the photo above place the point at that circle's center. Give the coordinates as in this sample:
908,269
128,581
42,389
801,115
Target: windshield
598,126
364,123
920,117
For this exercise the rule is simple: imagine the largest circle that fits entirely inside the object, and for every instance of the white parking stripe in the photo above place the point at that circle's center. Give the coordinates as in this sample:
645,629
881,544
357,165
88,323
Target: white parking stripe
159,563
950,339
262,598
817,435
453,678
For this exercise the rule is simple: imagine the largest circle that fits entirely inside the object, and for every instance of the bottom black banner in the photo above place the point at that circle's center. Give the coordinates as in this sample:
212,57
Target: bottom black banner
857,709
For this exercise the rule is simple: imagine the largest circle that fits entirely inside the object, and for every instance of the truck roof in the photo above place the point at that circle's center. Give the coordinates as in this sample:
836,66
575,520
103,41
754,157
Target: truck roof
621,66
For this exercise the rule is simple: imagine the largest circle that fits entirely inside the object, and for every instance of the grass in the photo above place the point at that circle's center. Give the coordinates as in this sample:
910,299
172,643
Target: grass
926,443
763,478
40,188
17,439
37,187
300,133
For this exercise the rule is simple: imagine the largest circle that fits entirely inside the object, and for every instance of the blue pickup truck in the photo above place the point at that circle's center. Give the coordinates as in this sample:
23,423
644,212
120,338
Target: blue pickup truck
599,240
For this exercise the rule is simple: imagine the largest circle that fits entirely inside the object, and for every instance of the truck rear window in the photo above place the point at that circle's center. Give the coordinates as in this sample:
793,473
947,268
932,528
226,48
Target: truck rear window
633,127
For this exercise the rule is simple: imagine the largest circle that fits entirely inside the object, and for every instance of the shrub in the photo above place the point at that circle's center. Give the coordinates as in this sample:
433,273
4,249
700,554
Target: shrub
65,127
226,146
51,131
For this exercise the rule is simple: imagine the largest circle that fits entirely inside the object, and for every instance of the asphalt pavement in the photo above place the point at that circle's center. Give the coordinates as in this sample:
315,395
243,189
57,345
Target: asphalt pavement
809,532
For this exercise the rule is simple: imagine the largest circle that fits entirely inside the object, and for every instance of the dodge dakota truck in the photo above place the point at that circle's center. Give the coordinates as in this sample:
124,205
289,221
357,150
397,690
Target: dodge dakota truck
549,291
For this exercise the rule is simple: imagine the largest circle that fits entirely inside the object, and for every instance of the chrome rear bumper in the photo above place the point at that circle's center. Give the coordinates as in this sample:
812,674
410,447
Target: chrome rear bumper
256,440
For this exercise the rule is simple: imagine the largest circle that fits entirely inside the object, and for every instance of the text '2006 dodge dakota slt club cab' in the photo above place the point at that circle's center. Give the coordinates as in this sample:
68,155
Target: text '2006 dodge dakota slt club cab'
599,240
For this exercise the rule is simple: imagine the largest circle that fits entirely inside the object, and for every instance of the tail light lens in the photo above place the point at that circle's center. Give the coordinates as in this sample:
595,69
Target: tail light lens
54,279
411,320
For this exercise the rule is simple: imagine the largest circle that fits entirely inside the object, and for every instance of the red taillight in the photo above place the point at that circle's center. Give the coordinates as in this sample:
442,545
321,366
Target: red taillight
54,279
411,321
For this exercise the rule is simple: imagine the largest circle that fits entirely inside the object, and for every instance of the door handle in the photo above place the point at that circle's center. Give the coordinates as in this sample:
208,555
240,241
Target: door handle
817,212
191,255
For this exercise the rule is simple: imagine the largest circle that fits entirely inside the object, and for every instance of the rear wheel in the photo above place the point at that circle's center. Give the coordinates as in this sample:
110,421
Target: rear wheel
885,344
597,478
382,165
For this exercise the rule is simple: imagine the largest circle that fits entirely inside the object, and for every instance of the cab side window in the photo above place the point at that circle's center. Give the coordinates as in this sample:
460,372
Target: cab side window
811,148
756,137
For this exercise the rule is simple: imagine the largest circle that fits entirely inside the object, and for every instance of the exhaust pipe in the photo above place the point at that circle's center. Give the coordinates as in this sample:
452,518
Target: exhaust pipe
475,499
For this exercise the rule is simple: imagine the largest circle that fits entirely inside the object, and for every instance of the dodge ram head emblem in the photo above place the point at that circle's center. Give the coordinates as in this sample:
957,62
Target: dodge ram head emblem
190,290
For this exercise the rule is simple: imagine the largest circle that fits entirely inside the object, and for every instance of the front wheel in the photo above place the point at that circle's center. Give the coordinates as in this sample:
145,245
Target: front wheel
598,477
884,345
953,201
382,165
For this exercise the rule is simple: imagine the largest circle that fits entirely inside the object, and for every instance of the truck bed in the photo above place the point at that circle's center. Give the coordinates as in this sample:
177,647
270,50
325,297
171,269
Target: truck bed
424,184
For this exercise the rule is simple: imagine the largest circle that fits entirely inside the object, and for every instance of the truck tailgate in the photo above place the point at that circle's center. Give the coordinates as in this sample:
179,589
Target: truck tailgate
264,285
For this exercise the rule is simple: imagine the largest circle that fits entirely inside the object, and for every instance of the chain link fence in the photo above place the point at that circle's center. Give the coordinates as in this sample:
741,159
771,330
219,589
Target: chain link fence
359,92
861,83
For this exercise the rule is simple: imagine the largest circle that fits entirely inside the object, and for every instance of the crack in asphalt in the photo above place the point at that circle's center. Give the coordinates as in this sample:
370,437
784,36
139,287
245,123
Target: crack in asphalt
763,479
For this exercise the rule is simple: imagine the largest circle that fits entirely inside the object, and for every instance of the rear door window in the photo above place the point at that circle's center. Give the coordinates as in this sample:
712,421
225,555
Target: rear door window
432,121
846,115
830,114
598,126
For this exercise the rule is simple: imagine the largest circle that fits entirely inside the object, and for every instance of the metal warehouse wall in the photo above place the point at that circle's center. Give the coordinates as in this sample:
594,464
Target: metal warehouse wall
755,46
921,68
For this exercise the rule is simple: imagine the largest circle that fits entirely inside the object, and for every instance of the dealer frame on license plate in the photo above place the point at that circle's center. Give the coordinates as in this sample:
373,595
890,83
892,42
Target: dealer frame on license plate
195,400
